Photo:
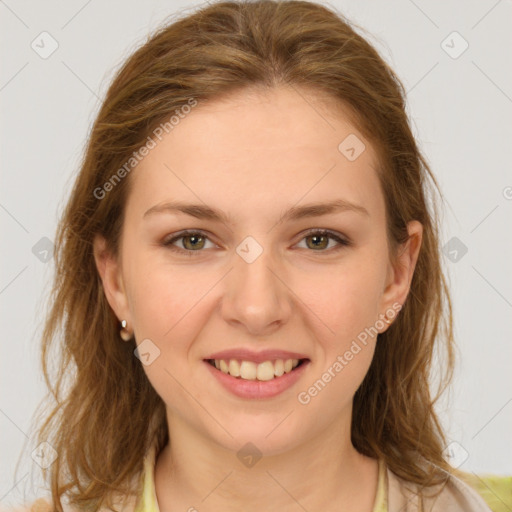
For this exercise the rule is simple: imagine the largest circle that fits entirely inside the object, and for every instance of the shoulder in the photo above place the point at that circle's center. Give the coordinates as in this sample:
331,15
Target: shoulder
457,494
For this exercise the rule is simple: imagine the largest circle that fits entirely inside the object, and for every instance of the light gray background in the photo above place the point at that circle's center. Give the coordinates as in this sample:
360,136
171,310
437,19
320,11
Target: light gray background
461,109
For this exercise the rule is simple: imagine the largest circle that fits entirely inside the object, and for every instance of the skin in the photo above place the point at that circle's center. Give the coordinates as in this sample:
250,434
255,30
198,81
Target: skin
270,150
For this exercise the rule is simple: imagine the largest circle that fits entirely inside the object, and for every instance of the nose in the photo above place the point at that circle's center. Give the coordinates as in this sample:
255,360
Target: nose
256,295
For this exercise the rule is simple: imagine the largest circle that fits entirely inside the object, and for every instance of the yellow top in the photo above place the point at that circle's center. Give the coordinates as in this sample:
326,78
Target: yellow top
495,490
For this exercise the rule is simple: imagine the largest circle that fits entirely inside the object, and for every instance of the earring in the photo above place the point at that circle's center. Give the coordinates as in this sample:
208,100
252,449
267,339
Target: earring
387,320
125,335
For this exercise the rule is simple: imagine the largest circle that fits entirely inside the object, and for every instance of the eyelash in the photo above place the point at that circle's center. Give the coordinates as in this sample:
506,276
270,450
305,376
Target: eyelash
343,242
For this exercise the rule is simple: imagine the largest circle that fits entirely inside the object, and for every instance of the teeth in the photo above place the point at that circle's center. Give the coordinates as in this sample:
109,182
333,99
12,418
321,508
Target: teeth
249,370
234,368
279,368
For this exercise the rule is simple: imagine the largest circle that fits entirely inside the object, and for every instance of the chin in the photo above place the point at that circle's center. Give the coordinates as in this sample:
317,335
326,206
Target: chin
260,437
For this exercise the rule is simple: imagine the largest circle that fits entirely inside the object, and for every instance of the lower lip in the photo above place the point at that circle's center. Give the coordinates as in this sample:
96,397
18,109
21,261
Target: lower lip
258,388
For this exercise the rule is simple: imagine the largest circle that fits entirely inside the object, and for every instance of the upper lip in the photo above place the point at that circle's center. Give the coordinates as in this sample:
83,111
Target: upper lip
243,354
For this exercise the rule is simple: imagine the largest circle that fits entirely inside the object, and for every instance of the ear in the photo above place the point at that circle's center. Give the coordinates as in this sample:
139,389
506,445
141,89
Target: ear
400,274
109,270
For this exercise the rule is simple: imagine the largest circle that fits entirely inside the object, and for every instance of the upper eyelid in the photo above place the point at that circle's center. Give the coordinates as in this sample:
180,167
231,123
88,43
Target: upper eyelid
188,232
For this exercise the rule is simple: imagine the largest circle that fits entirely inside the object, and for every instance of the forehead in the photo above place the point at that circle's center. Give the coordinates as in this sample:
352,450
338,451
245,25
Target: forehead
259,148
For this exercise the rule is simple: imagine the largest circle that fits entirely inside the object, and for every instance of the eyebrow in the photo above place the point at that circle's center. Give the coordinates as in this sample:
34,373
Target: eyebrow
202,211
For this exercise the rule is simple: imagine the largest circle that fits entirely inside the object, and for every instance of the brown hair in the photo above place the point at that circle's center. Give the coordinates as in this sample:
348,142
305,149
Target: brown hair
220,49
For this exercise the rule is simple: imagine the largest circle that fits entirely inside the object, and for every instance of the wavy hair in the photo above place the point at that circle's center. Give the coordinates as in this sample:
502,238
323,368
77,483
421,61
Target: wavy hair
100,396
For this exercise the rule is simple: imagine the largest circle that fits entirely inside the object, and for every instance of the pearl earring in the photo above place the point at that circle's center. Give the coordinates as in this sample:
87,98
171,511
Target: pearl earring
125,335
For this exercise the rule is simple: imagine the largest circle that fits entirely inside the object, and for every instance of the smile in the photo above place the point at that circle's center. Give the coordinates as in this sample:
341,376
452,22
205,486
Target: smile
248,370
248,379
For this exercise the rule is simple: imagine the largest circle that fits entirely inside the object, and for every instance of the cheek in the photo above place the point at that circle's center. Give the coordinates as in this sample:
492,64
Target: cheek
170,307
344,298
342,311
165,299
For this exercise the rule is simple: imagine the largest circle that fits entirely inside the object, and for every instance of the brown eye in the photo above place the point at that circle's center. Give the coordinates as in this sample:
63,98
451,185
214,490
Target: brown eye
195,241
192,242
319,241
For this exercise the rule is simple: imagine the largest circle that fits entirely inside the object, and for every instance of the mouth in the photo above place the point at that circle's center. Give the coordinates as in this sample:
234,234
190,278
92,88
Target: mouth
251,371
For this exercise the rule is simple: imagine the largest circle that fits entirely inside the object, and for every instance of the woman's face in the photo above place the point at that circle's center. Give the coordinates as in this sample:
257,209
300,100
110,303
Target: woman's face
260,278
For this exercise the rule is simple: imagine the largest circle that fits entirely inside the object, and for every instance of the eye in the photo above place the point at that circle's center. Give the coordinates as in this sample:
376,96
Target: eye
193,242
320,240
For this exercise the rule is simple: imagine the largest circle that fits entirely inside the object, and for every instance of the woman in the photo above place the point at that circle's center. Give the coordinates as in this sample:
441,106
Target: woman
248,284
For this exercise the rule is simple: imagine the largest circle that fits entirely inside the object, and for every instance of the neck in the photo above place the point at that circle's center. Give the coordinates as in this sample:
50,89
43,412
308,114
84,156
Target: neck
323,473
